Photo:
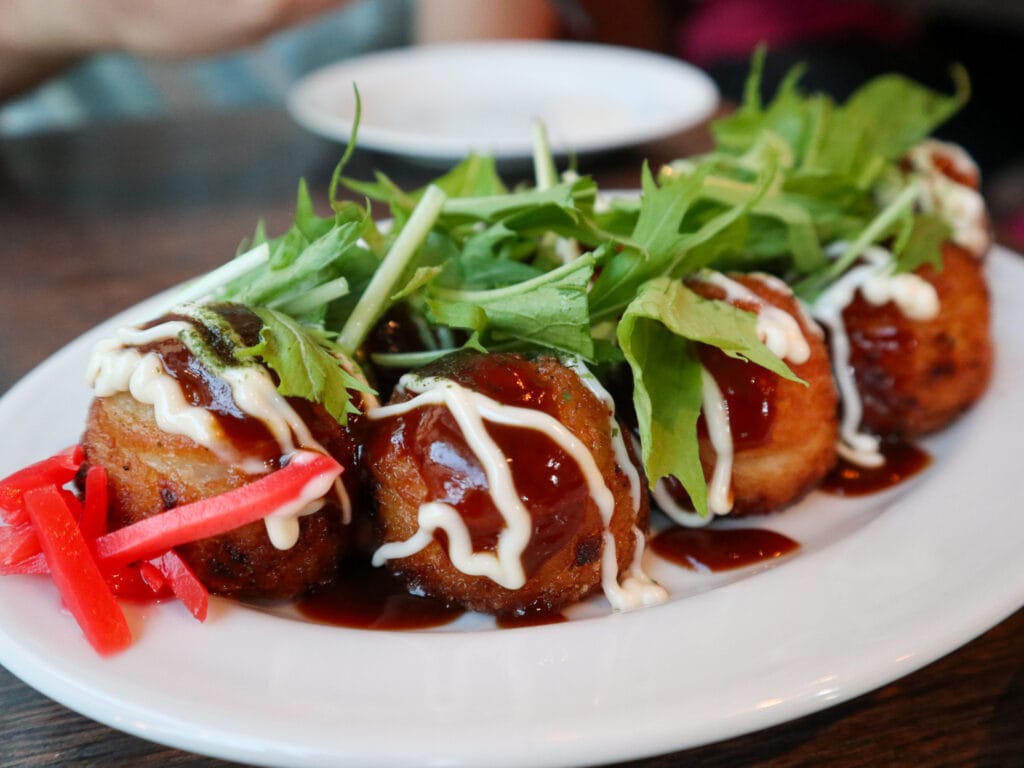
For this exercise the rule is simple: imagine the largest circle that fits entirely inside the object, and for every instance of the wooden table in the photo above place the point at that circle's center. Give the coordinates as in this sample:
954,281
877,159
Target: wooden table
93,221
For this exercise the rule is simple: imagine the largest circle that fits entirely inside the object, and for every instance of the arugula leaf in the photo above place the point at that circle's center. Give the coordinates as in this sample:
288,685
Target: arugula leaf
476,176
877,124
896,212
840,157
479,270
668,239
667,399
323,260
924,244
790,115
566,196
307,221
887,115
652,245
550,310
378,294
307,363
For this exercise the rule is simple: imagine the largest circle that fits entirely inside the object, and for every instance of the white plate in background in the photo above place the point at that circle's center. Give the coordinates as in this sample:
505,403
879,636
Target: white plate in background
882,586
440,102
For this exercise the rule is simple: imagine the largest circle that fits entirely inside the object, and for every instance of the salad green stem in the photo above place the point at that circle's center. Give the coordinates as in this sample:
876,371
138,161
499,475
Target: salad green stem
211,281
410,359
870,234
518,289
374,301
543,163
313,299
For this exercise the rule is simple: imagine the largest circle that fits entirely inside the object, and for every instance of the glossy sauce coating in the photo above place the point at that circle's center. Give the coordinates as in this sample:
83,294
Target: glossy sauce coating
749,393
548,480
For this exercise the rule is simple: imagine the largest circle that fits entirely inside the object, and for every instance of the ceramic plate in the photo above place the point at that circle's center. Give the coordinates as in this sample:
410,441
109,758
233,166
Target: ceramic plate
442,102
881,586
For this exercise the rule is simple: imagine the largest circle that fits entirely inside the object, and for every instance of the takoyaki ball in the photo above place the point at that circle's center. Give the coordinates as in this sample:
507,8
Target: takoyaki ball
917,376
151,471
783,432
422,456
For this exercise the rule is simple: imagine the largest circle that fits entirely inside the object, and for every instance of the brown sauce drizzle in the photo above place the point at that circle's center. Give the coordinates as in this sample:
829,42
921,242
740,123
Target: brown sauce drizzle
720,549
902,461
365,597
749,392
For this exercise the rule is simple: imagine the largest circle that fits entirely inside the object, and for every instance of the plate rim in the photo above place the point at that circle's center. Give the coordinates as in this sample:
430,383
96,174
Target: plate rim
135,709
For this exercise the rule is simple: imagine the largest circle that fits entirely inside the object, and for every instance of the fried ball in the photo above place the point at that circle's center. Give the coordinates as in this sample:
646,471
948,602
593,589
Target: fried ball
422,456
783,432
151,471
917,376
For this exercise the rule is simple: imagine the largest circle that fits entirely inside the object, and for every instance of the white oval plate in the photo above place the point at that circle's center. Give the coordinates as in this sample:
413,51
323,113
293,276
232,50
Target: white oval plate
882,586
441,102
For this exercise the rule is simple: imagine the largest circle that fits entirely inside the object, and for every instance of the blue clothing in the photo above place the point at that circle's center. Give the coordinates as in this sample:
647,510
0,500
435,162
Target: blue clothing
113,86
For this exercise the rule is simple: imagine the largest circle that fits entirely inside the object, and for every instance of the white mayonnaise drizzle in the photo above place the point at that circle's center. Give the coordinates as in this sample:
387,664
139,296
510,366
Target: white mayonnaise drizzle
782,333
637,590
622,457
716,415
776,328
960,205
283,523
915,298
504,565
667,503
117,365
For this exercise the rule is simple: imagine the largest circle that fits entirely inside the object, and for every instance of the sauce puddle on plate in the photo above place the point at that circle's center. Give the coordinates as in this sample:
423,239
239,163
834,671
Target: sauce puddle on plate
721,549
902,461
365,597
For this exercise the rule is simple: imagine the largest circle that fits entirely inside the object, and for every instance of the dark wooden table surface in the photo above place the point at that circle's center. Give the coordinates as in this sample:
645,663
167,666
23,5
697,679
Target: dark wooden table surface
93,221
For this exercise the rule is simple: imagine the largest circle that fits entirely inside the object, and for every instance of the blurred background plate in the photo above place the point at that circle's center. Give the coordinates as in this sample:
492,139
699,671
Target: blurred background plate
441,102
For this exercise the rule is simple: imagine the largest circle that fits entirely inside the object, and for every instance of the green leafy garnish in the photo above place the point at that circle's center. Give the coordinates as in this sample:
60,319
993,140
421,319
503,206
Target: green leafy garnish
307,363
549,310
656,333
798,185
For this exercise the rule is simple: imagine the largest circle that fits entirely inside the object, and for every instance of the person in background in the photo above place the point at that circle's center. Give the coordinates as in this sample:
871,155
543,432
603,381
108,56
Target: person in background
67,62
38,39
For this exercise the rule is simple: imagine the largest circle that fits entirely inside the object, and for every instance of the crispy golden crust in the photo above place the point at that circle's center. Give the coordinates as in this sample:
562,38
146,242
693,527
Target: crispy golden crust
799,449
573,570
916,377
151,471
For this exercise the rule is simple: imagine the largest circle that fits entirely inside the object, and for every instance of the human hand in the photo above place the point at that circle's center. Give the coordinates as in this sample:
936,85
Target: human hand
146,27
